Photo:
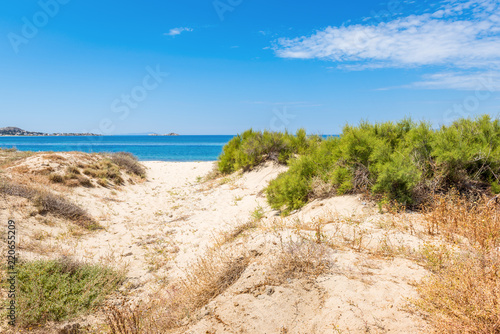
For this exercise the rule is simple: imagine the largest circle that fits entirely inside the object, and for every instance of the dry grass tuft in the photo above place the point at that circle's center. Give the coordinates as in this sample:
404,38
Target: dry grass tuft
300,259
320,188
464,295
56,178
47,202
124,319
129,162
205,280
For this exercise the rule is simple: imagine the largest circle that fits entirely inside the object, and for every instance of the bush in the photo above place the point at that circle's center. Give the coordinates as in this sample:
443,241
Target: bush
406,162
57,290
252,148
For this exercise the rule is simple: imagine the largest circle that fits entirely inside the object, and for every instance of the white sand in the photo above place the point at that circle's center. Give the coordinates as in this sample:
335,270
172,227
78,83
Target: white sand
161,226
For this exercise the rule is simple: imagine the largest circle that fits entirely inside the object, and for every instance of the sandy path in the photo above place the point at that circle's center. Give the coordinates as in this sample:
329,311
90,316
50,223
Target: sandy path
164,223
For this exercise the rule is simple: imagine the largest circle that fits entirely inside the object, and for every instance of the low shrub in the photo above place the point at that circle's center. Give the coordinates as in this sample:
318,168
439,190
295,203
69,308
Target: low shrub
57,290
56,178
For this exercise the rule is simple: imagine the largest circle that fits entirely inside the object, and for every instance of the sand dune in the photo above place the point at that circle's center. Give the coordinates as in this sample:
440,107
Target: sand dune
162,226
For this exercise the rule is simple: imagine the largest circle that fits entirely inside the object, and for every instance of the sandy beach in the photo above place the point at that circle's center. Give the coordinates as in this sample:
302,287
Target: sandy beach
162,226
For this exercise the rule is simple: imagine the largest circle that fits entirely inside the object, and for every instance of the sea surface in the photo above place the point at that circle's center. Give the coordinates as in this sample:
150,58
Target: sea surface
146,148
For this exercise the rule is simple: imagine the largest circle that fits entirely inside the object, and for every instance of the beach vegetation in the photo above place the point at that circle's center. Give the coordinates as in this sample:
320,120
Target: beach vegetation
129,162
252,148
462,294
404,162
57,290
48,202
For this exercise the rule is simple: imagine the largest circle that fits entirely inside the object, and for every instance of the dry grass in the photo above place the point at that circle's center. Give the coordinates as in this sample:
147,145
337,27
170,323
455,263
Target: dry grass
454,216
300,259
105,171
47,202
129,162
11,155
463,296
178,303
463,293
320,188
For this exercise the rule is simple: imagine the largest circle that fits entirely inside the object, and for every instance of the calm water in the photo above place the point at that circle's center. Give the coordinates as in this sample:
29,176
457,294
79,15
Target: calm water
159,148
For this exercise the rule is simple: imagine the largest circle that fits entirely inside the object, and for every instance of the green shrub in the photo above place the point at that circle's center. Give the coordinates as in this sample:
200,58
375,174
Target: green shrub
405,161
252,148
56,290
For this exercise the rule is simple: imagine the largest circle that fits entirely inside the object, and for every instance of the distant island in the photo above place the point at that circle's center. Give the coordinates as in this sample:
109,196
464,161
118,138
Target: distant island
13,131
167,134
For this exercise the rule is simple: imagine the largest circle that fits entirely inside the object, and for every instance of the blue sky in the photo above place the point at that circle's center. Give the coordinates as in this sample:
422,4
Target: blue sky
220,67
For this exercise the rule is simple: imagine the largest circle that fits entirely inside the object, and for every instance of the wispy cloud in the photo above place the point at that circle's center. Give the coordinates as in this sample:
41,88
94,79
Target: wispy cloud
460,34
487,80
177,31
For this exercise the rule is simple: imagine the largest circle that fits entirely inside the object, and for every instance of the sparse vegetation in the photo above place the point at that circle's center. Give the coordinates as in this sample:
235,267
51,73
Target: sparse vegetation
463,293
206,279
56,290
258,214
129,162
47,202
10,155
300,259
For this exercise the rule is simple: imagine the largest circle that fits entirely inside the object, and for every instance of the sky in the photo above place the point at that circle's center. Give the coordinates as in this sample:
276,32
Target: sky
224,66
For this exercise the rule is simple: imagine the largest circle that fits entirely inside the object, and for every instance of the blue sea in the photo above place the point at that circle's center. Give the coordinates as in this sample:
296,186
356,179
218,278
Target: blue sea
146,148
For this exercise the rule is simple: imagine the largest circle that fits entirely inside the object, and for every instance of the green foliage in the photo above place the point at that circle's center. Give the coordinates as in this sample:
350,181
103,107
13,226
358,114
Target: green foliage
495,187
56,290
404,161
291,190
251,148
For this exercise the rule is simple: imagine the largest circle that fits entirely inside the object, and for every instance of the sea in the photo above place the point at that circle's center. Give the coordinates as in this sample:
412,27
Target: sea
145,148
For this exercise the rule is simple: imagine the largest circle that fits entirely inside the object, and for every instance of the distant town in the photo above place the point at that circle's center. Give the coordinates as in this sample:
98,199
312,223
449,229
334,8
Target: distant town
13,131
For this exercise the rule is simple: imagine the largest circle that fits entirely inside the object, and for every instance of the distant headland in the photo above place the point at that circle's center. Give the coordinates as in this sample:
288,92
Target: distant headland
13,131
167,134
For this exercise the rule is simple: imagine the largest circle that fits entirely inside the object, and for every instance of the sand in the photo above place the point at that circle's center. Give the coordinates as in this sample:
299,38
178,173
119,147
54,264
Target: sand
160,227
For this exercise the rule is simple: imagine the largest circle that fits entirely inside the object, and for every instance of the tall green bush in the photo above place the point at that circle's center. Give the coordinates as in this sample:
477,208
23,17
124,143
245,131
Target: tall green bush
405,161
252,148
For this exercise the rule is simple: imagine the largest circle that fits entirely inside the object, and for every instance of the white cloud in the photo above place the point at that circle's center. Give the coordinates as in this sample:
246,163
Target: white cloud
481,81
460,34
177,31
